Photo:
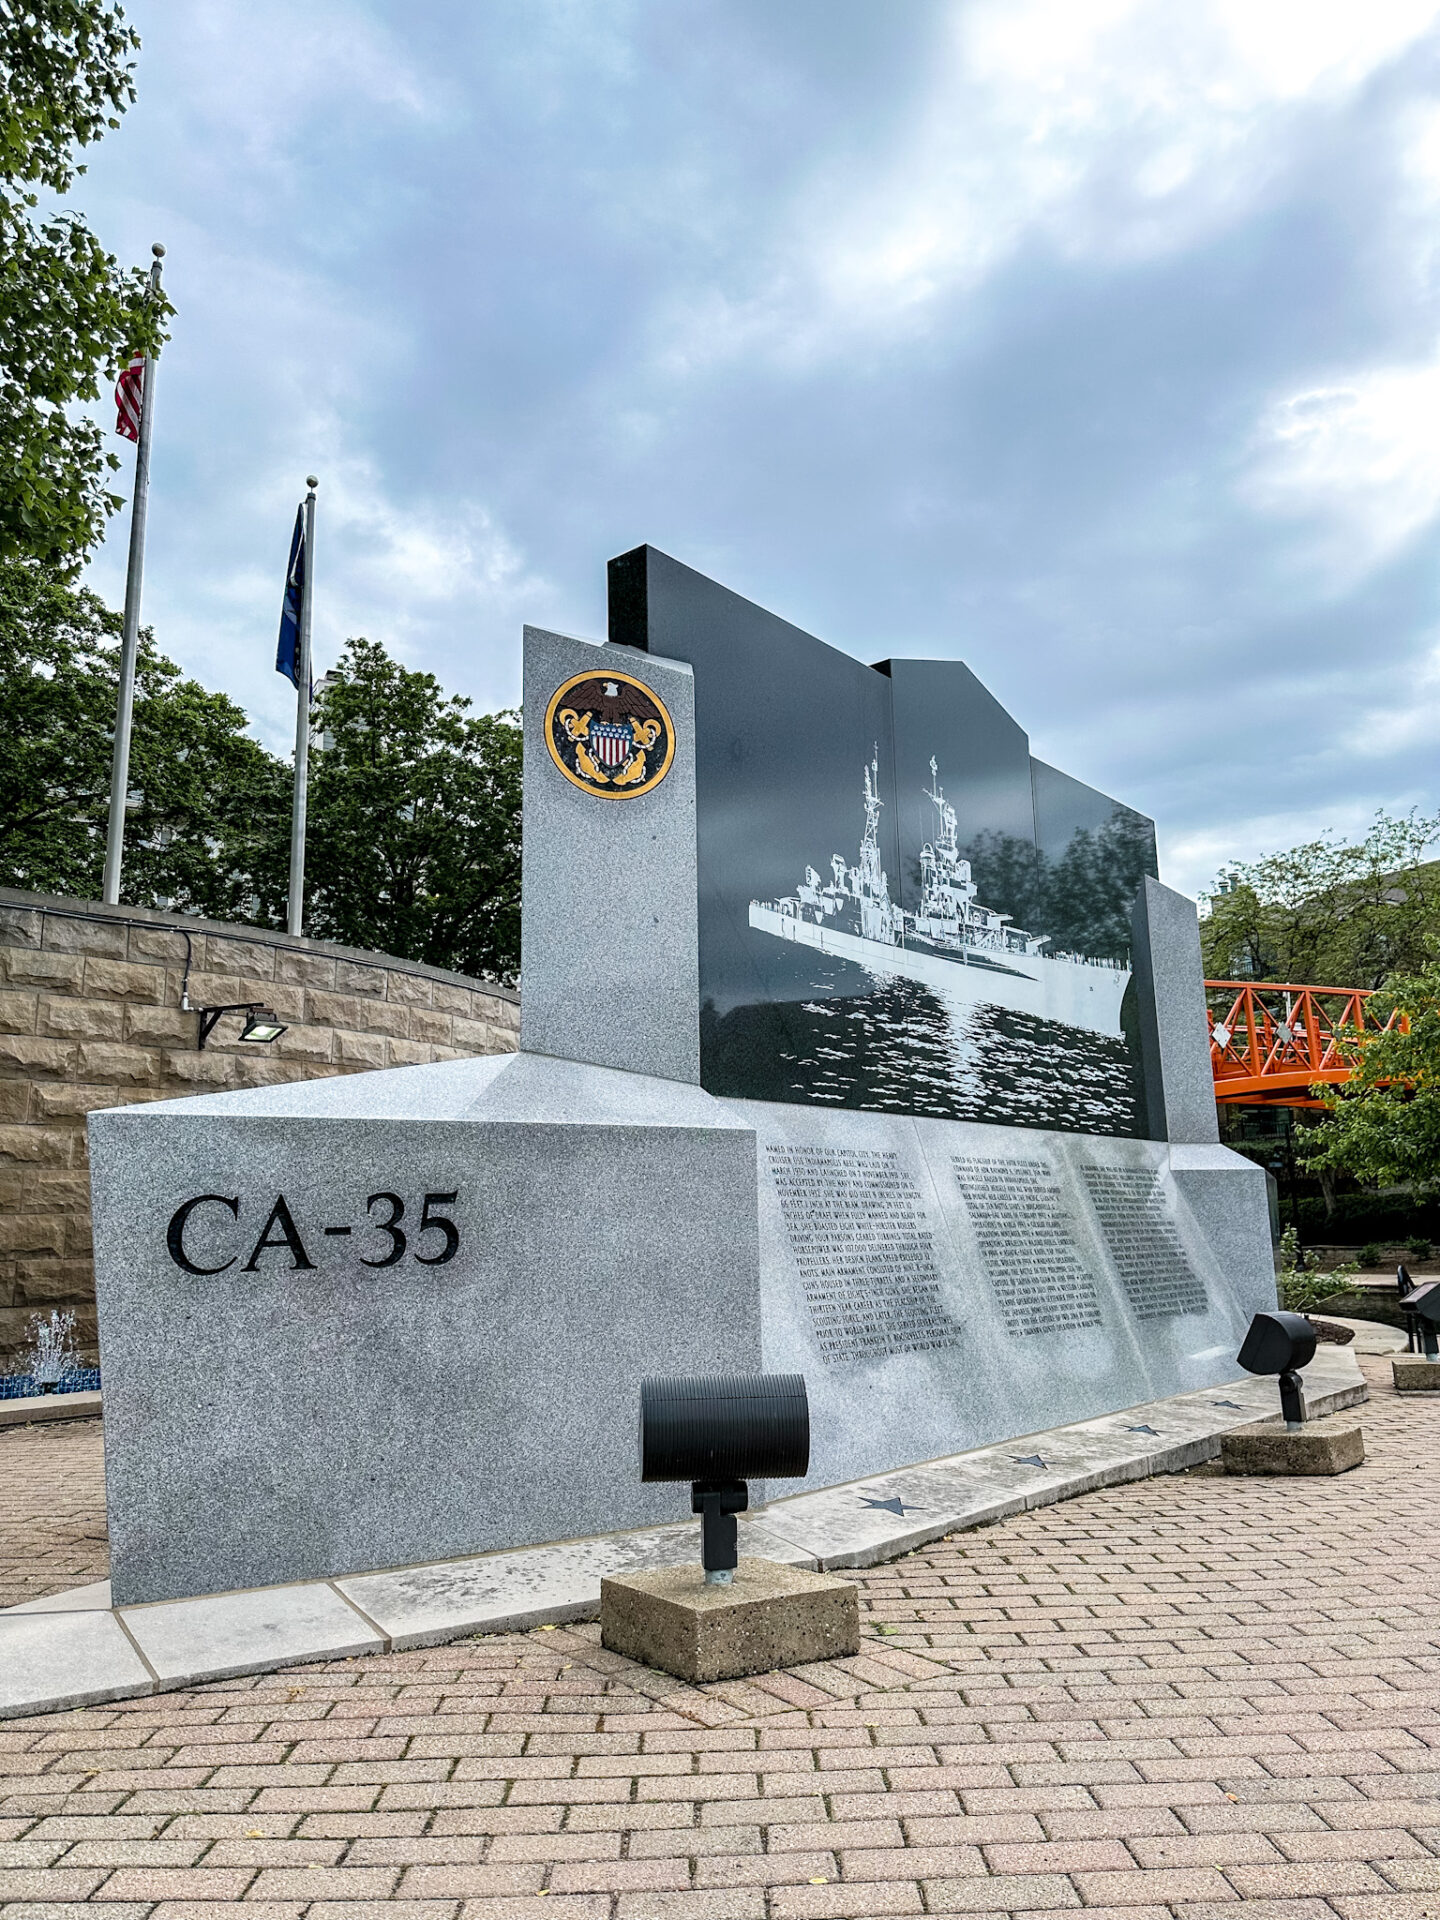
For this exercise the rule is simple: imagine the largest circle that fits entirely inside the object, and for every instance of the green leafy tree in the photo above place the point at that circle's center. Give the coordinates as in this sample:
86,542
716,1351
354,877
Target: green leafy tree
68,311
414,820
1329,915
1384,1123
207,803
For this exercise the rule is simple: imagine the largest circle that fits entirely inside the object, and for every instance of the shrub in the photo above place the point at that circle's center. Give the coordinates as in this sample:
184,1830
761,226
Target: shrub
1302,1287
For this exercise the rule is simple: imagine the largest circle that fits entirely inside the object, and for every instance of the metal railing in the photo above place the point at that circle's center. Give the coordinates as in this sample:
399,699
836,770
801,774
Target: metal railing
1273,1042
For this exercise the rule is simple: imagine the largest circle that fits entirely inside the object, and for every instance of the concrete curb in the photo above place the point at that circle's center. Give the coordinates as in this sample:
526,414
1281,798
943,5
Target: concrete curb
73,1649
46,1407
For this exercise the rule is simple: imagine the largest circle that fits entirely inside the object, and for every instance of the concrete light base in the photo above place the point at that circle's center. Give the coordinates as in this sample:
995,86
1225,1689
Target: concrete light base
1413,1373
770,1616
1314,1450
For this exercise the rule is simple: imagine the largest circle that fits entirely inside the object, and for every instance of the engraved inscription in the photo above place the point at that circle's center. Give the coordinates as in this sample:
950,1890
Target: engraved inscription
864,1252
1016,1210
1143,1243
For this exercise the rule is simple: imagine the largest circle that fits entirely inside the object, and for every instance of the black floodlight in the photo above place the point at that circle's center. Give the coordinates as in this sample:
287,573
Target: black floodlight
718,1431
262,1024
1422,1314
1281,1343
1403,1283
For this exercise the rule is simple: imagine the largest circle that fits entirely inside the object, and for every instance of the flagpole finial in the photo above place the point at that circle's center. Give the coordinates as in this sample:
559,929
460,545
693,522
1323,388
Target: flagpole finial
158,251
311,480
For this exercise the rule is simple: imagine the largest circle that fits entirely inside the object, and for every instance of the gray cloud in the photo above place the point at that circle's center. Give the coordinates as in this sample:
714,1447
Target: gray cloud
1091,341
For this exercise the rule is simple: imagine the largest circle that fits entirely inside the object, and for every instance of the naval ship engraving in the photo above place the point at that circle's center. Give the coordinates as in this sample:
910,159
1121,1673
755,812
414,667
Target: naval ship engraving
965,951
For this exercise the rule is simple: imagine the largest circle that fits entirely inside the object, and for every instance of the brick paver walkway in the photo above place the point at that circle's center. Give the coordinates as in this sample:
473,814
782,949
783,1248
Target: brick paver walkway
52,1509
1162,1699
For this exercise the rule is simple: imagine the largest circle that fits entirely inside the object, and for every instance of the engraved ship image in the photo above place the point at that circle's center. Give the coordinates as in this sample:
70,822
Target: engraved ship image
965,951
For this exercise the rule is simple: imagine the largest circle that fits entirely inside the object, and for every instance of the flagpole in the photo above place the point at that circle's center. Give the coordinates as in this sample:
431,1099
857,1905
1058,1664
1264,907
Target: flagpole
295,904
130,635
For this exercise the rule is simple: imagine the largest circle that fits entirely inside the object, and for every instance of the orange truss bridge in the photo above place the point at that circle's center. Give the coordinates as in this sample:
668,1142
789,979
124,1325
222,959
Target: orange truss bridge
1269,1043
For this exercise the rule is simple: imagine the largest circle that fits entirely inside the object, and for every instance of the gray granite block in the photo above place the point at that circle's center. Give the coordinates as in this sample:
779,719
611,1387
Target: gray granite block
1225,1196
538,1586
855,1527
273,1421
49,1660
1174,1033
609,940
1181,1436
91,1598
995,1281
233,1633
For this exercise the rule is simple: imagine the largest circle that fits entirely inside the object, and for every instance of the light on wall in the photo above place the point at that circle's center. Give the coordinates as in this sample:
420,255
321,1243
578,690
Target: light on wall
262,1024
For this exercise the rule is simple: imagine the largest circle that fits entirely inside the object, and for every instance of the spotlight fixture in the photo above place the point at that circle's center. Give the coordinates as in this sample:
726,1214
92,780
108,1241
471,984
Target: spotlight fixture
1281,1343
262,1024
717,1431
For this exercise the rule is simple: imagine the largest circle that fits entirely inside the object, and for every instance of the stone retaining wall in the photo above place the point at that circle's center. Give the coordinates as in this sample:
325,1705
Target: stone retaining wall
90,1016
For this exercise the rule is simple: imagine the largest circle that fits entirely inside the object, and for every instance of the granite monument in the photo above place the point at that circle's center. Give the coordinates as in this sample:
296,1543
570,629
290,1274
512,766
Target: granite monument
855,1042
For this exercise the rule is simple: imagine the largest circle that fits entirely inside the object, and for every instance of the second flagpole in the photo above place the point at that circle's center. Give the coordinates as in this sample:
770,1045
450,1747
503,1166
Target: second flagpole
295,902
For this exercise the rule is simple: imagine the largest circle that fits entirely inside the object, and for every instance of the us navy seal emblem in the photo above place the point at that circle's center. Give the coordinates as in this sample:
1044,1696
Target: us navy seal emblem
609,735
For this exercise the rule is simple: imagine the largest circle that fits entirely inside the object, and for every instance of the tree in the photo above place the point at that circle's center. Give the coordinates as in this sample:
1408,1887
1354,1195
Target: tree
1384,1123
1328,915
68,312
414,827
208,804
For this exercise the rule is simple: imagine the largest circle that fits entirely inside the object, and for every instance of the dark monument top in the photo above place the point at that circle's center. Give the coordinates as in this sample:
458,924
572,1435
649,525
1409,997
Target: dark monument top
900,909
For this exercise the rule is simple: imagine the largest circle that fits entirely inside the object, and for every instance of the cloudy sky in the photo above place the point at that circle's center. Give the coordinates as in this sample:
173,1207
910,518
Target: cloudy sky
1093,342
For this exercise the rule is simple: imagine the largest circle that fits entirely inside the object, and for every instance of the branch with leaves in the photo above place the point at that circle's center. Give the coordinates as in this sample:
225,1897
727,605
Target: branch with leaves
69,313
1323,914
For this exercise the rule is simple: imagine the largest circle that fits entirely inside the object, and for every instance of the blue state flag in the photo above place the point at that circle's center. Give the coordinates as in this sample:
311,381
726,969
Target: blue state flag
287,654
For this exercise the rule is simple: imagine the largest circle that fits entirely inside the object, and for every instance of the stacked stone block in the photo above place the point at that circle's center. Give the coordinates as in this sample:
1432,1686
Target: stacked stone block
90,1016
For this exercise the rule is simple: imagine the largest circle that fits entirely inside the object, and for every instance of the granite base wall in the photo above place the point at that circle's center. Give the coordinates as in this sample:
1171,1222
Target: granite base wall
310,1407
90,1017
294,1412
1010,1280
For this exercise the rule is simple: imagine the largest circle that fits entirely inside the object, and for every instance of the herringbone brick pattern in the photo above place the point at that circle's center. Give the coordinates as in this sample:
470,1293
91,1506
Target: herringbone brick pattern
1164,1699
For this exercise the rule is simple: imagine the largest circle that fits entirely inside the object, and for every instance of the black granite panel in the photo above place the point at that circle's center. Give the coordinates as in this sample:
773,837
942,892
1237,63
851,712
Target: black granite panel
982,768
1093,853
829,971
785,727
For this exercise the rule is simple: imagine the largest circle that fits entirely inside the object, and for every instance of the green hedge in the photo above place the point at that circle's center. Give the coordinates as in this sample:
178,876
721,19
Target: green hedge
1386,1218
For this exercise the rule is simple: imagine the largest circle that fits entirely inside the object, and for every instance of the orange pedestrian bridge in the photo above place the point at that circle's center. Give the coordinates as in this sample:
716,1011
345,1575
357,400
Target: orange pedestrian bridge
1271,1043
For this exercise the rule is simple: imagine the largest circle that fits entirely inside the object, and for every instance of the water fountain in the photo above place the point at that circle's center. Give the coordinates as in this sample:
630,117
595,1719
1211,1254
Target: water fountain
52,1364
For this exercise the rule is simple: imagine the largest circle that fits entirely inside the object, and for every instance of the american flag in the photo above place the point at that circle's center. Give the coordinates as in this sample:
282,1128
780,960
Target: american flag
128,397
